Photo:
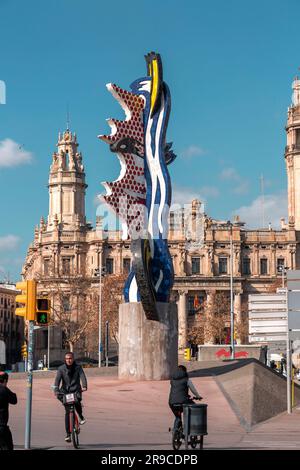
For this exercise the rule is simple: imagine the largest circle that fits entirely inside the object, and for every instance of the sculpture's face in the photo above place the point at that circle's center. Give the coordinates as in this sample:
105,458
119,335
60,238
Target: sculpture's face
127,195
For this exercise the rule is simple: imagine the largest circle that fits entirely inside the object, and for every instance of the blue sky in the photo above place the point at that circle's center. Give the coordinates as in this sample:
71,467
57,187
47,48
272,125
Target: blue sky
229,66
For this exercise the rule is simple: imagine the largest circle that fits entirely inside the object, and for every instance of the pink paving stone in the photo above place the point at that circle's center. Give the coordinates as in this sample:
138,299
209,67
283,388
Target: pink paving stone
135,415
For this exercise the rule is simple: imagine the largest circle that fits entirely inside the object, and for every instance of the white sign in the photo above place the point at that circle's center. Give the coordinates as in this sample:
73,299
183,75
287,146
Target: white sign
293,285
267,318
2,352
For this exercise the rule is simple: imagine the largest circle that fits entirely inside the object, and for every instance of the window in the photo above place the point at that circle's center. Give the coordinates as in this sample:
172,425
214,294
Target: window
126,265
263,266
46,267
222,265
246,266
297,137
109,266
194,303
172,223
280,264
66,265
195,265
191,310
66,304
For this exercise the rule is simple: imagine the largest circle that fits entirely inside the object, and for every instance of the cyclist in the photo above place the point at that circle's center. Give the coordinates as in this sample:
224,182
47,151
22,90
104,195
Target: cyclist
7,397
67,380
179,393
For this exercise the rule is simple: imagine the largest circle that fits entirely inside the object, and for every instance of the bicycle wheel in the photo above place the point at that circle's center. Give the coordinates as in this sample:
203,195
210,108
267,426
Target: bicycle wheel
75,426
3,445
193,442
176,440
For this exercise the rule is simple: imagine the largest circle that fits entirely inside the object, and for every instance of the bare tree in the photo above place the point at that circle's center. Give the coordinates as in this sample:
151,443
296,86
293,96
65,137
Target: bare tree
242,324
113,286
74,305
195,333
218,316
272,288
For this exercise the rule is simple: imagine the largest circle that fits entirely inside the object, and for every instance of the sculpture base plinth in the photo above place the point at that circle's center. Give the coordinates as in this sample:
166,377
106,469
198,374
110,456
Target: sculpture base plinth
148,349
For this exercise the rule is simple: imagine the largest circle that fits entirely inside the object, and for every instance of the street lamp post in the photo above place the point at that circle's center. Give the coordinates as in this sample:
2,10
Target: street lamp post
48,352
288,350
283,272
100,272
100,313
231,297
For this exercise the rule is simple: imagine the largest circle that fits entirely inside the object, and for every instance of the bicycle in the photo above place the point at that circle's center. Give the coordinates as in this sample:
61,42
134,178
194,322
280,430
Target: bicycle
5,438
3,444
69,400
178,436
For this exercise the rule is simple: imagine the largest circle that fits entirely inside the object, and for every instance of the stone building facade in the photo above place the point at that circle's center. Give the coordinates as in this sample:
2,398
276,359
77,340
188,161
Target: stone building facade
199,244
11,326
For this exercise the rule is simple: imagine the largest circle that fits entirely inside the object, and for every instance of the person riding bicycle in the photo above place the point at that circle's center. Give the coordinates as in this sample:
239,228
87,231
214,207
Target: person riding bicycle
179,393
67,380
7,397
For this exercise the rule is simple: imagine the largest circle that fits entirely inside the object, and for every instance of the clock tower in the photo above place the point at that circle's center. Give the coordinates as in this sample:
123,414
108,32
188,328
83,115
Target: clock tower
66,185
292,157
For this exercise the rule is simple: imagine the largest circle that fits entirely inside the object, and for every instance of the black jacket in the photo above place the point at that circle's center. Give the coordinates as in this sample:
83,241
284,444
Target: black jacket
179,392
68,379
6,397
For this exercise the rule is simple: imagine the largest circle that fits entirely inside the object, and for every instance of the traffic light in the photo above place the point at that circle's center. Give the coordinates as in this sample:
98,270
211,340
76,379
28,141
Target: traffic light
42,311
24,350
187,354
27,298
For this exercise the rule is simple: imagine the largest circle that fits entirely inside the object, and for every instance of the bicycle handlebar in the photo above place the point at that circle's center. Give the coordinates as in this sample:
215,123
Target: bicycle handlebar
67,393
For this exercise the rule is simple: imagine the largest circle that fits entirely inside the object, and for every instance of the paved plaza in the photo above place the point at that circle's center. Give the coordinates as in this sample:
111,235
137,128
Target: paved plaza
135,415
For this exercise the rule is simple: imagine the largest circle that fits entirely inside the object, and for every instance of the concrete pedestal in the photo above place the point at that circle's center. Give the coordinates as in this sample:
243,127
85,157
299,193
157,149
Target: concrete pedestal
148,349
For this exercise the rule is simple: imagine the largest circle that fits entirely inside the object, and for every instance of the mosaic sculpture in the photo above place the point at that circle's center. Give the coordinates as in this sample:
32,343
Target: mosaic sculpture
141,196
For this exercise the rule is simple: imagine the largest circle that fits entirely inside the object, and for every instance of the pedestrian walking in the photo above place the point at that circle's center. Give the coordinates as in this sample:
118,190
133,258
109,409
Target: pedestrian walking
7,397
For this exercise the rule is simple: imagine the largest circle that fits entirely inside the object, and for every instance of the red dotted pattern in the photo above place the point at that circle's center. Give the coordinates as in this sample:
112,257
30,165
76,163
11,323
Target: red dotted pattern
129,208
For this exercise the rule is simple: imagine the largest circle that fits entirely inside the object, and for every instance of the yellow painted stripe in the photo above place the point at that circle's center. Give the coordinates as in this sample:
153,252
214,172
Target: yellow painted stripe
155,82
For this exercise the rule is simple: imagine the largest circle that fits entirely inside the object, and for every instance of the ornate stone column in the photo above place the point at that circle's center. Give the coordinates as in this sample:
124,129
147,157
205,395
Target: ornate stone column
118,258
100,256
210,261
77,262
273,261
182,319
55,261
182,261
292,261
237,261
237,308
256,270
208,336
